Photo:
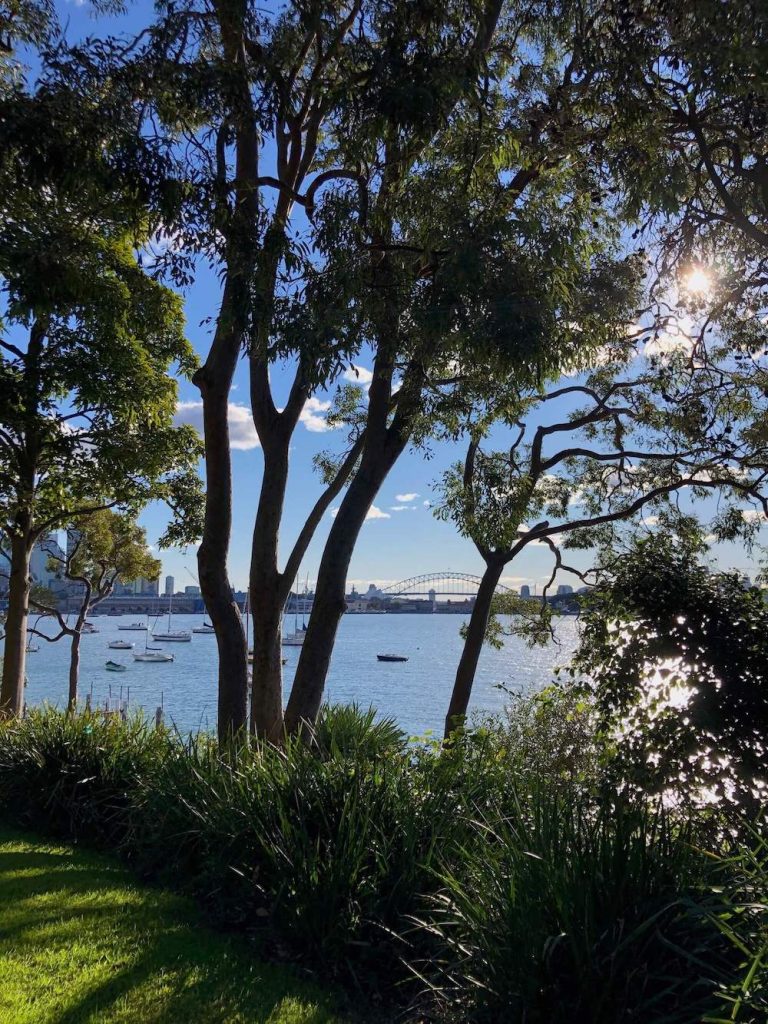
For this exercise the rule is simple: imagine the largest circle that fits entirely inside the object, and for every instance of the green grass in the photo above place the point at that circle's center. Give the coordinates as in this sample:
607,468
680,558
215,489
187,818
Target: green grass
81,943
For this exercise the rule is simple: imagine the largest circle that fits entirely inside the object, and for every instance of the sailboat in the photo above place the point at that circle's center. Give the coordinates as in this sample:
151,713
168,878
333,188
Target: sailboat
181,636
295,639
205,628
151,653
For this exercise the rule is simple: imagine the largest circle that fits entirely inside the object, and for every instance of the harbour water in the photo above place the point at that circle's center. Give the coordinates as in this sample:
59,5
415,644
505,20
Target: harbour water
415,692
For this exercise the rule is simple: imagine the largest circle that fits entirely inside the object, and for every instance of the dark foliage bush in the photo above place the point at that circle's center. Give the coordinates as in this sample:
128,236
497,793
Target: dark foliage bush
476,882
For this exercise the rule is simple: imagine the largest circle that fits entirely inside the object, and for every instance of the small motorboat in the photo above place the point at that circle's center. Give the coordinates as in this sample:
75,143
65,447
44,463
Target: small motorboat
115,666
120,645
32,648
88,627
134,627
392,657
153,656
205,628
180,637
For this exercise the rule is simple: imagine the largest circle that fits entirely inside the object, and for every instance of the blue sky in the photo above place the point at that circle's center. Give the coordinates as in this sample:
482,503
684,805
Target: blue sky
404,539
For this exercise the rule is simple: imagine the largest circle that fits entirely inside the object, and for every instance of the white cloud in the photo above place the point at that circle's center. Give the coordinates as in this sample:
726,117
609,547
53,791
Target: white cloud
358,375
312,415
752,515
402,508
242,433
373,513
376,513
406,498
427,504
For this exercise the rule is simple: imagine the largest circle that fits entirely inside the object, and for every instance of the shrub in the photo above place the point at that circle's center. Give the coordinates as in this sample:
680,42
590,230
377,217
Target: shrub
564,916
488,868
76,776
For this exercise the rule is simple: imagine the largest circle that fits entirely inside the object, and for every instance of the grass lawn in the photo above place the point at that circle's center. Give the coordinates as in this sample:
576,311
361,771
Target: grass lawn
82,943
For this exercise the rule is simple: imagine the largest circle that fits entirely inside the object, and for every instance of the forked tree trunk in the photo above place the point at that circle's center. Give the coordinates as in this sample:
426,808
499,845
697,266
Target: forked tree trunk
15,652
329,603
473,644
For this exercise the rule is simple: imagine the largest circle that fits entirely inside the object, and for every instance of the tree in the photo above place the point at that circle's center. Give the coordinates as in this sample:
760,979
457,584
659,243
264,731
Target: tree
638,439
103,548
477,238
312,94
352,169
689,155
87,339
673,657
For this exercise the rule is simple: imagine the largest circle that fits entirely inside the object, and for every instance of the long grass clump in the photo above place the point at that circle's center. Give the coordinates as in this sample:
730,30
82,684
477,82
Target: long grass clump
471,882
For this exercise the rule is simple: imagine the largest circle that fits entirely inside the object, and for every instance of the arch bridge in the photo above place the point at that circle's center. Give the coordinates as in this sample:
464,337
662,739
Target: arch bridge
441,584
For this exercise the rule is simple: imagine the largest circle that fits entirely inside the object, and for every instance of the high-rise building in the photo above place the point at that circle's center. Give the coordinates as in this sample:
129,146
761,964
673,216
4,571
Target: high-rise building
170,586
192,591
46,552
525,590
564,589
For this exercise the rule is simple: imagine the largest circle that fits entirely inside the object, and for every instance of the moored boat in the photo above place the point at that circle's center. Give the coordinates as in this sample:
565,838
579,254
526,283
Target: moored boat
158,656
205,628
120,645
134,627
392,657
115,666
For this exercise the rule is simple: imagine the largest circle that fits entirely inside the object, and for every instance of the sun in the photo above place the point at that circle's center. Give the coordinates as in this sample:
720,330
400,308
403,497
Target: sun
697,281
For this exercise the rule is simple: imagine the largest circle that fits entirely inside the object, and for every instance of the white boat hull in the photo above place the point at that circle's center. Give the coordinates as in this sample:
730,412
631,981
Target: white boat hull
172,638
153,657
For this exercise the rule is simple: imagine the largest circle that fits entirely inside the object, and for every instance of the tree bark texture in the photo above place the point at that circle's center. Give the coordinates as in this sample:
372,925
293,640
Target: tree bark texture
214,382
267,598
74,652
74,670
473,644
15,653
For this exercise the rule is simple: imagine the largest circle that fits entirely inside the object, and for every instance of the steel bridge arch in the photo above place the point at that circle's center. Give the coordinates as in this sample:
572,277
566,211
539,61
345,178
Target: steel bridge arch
412,584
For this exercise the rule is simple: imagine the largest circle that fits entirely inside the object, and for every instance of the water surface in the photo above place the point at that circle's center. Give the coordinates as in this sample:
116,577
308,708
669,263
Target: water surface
415,693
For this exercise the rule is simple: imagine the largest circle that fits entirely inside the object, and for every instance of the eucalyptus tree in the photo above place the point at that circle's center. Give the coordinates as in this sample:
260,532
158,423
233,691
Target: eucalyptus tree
631,439
387,177
280,124
690,157
87,340
103,548
471,250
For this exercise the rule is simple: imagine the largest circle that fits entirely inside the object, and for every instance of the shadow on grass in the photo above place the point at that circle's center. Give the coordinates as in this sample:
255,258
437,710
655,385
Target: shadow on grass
82,943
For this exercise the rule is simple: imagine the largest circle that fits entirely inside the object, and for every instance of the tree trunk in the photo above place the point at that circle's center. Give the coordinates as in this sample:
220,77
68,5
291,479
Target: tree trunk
74,668
214,381
15,654
329,603
74,653
473,644
268,596
267,685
